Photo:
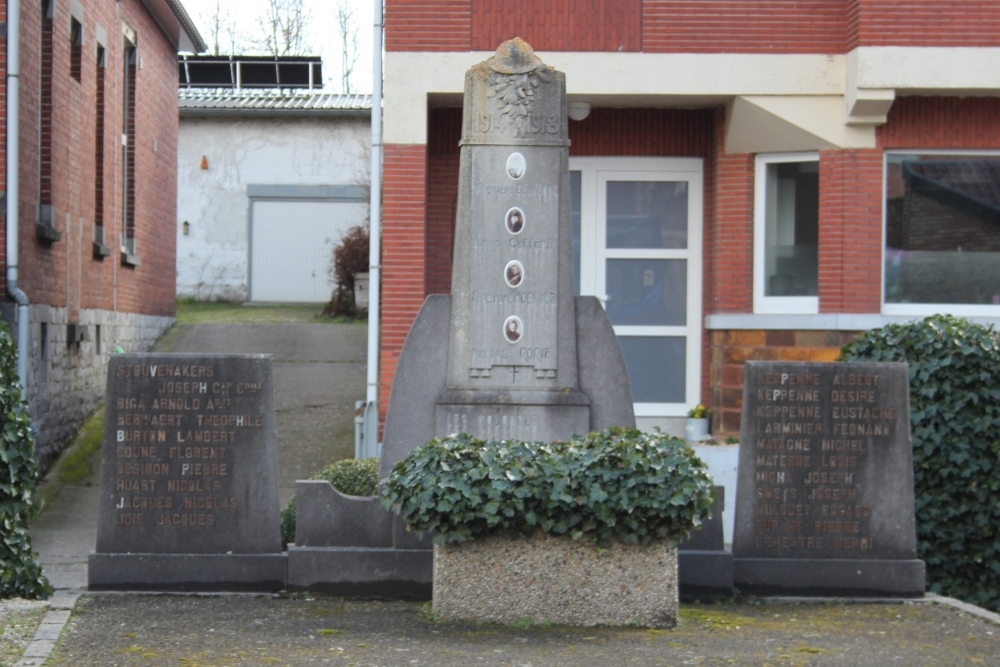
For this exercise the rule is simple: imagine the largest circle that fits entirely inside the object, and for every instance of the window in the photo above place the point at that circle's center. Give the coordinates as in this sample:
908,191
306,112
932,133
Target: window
942,233
46,219
101,248
786,234
130,62
75,48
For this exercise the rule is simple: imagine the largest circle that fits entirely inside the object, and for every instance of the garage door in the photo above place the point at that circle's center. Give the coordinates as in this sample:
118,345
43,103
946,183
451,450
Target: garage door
291,247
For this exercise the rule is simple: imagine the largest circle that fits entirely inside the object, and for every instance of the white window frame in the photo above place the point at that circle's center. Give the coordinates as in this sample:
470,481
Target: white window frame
597,170
782,305
926,309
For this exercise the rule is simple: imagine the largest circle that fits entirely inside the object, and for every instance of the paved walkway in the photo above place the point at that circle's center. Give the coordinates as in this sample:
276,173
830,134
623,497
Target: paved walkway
319,373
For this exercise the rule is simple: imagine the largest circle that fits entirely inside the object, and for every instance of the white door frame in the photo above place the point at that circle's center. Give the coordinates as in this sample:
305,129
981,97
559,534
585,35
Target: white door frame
595,173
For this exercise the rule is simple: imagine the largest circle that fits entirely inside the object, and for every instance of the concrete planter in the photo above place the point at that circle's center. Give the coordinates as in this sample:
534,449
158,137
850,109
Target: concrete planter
554,579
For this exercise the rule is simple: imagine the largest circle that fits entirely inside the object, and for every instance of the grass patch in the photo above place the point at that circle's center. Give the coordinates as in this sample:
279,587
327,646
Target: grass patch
210,312
79,464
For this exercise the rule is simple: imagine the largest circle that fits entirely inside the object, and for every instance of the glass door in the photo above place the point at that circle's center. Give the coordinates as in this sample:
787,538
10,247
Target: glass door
639,225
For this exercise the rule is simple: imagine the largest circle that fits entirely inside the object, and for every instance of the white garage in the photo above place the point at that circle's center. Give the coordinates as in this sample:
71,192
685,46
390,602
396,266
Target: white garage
293,231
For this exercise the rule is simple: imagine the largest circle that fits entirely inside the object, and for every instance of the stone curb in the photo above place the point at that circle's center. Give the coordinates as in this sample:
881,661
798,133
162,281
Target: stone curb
47,634
928,598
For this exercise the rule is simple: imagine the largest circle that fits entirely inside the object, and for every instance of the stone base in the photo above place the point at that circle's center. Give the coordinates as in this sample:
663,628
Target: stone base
829,577
554,579
387,573
187,572
705,574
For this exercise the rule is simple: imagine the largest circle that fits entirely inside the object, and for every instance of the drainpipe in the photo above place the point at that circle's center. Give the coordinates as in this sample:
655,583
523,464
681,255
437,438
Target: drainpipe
13,157
375,244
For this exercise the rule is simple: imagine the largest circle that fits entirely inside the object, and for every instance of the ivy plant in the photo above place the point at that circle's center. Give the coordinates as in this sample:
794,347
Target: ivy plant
954,372
619,484
20,573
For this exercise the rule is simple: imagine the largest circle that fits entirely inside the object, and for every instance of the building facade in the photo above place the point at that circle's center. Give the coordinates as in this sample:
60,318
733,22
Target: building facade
750,180
94,88
269,180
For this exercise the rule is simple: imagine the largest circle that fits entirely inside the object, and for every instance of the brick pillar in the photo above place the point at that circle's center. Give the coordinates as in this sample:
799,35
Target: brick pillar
850,231
404,254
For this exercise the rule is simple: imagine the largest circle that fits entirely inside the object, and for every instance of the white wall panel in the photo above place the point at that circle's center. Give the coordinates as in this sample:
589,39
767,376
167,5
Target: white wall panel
291,247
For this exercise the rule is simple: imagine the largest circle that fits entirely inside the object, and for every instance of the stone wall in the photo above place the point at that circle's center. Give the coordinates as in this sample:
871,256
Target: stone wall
67,378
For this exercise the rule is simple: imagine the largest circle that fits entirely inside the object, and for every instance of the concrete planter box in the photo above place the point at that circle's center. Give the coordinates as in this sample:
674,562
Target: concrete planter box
554,579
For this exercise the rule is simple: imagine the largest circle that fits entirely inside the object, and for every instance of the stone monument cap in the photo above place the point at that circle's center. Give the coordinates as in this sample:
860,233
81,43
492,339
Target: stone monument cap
515,56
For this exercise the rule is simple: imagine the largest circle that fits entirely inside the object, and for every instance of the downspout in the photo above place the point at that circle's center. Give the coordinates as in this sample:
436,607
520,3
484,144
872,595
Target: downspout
375,245
13,185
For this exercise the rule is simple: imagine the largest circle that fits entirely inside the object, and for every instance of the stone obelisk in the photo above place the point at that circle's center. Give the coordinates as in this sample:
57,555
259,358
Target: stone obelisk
511,353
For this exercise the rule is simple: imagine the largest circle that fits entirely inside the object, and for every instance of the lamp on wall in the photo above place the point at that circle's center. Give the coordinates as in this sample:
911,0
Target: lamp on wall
578,110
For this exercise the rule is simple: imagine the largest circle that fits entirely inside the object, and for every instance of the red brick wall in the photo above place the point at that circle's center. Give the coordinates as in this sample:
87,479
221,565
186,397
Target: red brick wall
923,23
404,259
428,25
941,122
850,231
690,26
559,25
64,273
743,26
442,196
731,284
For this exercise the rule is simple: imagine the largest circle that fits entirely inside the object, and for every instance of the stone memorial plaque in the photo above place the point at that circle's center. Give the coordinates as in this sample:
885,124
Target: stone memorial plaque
189,462
826,475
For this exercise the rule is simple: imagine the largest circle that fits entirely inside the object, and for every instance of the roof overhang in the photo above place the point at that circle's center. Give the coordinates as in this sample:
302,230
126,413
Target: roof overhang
177,25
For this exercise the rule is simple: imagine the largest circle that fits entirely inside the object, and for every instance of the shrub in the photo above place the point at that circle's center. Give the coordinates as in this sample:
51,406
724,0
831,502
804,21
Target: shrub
20,573
349,258
353,477
619,484
954,370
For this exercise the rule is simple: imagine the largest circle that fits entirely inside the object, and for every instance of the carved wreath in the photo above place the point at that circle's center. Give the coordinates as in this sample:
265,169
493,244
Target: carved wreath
515,92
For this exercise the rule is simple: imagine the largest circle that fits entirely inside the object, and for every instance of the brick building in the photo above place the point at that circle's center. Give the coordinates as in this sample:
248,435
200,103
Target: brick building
733,170
90,262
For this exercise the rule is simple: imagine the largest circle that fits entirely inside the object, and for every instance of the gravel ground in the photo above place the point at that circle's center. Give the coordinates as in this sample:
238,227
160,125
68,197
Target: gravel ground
18,620
118,630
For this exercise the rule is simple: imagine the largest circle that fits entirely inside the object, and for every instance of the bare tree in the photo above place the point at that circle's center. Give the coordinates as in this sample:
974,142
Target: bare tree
348,32
221,22
284,27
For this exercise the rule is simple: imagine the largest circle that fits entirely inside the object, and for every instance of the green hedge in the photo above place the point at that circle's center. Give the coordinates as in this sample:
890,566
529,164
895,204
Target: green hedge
954,370
20,573
619,484
354,477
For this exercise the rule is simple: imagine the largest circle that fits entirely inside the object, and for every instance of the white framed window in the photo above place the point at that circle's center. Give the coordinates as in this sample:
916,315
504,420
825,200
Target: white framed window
637,241
786,233
941,233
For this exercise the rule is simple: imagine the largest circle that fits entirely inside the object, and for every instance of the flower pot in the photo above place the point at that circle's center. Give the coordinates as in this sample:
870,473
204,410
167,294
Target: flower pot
554,579
695,429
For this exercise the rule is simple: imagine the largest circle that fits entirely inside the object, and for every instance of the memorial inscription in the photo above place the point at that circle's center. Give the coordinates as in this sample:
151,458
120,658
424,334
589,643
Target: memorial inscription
188,456
825,490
